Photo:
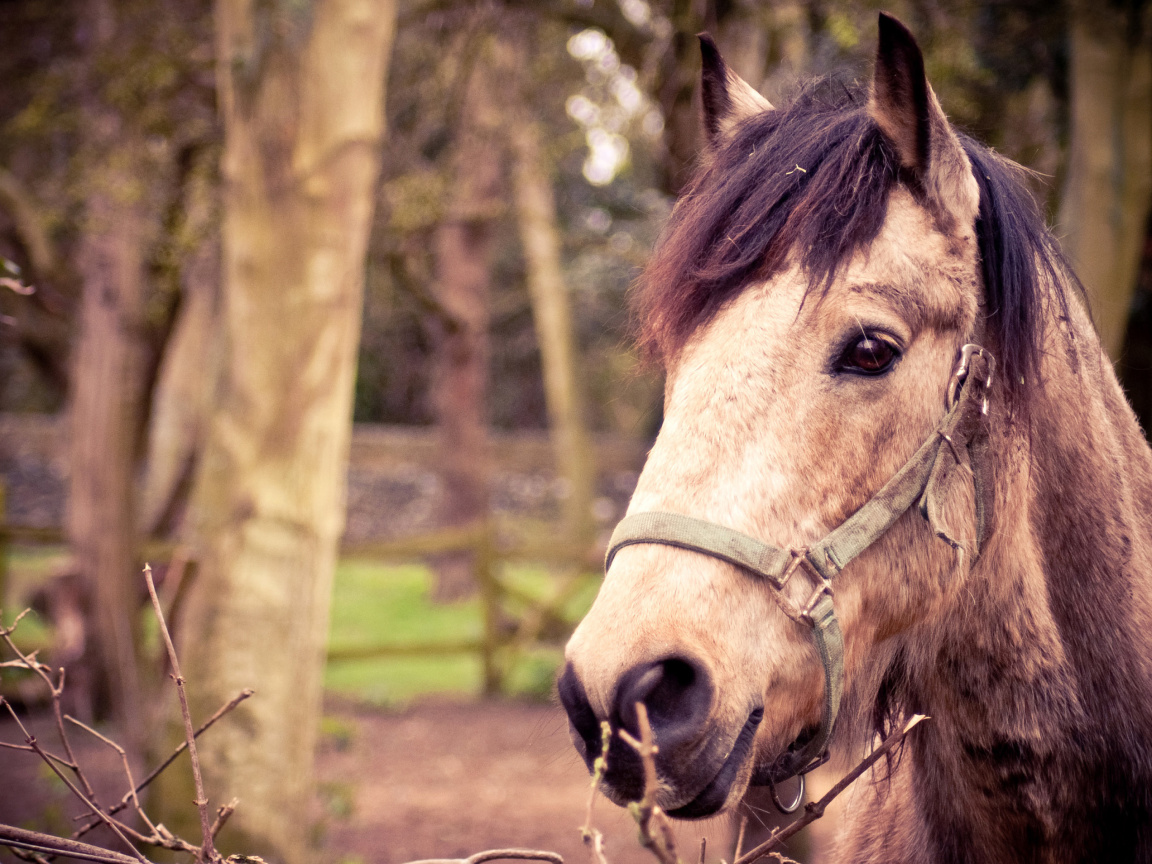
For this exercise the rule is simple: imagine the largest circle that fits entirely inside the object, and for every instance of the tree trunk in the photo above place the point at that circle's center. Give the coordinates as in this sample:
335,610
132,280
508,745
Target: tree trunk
110,373
740,35
463,244
1108,188
186,378
107,404
301,96
551,308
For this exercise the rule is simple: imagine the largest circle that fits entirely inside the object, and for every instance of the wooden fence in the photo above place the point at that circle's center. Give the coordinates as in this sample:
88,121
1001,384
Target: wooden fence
494,543
492,548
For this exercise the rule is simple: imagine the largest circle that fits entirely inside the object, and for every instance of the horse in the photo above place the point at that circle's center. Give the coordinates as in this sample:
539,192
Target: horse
896,475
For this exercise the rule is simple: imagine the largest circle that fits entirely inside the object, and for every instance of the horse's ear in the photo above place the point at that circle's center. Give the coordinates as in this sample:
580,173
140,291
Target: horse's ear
901,102
905,108
727,98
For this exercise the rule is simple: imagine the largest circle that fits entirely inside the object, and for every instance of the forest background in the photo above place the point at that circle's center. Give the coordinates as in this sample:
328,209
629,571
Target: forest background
228,230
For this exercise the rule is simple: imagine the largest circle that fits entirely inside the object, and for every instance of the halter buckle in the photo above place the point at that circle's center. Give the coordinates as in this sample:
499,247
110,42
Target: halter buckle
802,614
963,368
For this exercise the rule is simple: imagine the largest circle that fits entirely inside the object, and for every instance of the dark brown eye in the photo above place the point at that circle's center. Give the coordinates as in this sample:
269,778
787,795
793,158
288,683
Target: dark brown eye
869,355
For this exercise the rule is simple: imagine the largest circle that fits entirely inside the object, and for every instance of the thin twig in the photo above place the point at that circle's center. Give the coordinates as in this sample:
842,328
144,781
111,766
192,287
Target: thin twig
592,837
55,689
662,844
20,664
222,816
514,855
25,748
207,850
29,855
127,769
236,700
37,842
177,581
88,802
11,628
814,810
497,855
740,837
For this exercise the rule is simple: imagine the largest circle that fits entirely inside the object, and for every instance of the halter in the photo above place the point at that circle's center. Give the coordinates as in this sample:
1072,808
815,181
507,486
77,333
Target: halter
959,443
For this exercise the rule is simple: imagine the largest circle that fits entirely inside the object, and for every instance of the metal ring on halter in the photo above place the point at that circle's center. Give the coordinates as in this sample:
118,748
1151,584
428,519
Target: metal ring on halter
795,805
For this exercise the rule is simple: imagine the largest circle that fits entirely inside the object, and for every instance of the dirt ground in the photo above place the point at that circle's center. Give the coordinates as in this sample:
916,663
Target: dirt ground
435,780
446,780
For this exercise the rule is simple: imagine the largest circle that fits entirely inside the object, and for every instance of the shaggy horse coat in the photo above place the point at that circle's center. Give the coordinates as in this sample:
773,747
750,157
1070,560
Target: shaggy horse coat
808,302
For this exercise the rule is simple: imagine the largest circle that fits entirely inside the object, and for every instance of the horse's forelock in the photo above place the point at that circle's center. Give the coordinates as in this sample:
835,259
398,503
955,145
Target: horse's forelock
815,177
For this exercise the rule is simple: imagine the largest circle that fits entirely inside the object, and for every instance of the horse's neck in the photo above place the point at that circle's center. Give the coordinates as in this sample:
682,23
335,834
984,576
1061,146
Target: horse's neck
1041,681
1072,570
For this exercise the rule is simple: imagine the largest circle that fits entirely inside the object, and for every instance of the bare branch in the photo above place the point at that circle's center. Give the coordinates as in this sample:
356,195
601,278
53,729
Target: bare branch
814,810
207,850
236,700
11,628
127,769
29,855
740,837
660,843
19,838
593,839
28,749
16,286
88,802
54,689
222,816
498,855
20,664
514,855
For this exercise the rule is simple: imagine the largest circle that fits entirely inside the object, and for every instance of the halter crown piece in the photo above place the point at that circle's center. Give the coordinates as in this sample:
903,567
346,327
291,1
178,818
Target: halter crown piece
959,444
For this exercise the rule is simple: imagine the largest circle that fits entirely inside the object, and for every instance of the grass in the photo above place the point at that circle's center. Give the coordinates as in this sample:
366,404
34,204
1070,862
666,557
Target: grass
379,604
376,604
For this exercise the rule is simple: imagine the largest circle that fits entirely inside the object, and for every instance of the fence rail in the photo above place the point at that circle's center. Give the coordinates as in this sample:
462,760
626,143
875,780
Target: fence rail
492,546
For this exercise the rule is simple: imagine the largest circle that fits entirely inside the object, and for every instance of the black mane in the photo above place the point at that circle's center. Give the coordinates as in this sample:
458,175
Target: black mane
816,176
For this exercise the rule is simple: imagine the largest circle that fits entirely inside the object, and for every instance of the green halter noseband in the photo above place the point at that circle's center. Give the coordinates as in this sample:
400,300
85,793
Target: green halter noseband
959,444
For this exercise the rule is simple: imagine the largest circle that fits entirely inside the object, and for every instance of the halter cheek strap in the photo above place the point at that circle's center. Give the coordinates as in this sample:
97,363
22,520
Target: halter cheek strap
954,452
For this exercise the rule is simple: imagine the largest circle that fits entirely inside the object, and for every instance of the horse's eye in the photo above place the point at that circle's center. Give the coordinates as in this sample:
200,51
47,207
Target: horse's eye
869,355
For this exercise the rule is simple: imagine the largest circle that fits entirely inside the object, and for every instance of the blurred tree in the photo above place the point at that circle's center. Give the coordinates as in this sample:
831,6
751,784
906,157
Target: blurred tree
189,365
1108,188
39,58
133,65
40,319
301,92
540,239
461,289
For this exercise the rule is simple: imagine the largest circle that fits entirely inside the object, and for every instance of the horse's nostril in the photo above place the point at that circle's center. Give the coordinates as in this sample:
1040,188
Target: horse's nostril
676,692
676,688
580,714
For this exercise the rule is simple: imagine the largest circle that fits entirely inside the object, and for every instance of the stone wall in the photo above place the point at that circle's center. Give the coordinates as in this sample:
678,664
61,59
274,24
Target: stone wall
393,485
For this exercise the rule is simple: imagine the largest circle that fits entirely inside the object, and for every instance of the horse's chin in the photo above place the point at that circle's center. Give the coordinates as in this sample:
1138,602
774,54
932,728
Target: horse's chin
731,777
718,785
739,770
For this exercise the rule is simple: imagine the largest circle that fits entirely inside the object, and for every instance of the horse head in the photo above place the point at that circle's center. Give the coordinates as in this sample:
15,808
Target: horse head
809,302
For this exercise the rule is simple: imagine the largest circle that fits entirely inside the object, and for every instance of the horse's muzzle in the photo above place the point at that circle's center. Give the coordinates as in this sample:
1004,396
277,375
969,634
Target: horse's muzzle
678,696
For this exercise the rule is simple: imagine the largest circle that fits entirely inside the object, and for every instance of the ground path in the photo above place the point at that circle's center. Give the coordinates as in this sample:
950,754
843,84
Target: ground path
438,779
450,779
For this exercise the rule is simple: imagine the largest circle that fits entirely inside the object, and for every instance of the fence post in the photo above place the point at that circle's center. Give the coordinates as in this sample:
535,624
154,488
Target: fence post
493,673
